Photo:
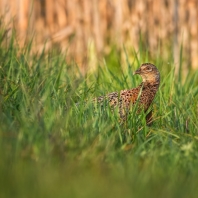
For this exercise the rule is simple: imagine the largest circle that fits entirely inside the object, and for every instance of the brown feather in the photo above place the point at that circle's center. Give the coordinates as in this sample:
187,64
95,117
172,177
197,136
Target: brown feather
145,91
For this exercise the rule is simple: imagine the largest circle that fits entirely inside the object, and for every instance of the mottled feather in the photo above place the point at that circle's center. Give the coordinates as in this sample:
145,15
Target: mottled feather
144,93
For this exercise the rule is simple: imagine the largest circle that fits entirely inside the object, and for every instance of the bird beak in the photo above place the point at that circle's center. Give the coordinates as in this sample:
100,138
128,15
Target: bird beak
137,72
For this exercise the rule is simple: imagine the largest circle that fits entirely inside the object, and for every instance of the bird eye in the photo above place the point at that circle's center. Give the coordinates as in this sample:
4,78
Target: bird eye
148,68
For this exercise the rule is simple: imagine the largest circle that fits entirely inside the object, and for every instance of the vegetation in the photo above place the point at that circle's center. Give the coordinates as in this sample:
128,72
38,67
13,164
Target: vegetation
52,147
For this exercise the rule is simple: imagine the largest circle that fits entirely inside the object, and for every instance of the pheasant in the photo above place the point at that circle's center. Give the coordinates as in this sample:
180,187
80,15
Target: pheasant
143,94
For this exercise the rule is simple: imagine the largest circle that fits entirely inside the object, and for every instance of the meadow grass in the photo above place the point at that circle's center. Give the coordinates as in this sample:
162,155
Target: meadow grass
52,147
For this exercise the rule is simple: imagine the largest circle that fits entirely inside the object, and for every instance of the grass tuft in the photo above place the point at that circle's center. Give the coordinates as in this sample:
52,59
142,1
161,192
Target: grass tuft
52,147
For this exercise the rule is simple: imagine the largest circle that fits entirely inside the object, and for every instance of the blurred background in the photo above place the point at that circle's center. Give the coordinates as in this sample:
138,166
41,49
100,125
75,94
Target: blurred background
90,29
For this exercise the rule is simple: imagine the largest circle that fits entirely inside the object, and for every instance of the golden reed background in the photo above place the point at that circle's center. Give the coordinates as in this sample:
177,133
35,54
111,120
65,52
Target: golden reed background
87,27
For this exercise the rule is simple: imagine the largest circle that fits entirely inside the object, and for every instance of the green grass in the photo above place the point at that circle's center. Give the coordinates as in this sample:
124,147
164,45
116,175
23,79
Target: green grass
49,147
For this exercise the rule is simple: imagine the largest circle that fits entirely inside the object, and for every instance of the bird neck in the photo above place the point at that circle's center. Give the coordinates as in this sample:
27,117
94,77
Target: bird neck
150,85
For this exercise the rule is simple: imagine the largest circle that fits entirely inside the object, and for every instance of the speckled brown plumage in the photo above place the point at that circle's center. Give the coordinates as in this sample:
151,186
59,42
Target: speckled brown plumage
144,93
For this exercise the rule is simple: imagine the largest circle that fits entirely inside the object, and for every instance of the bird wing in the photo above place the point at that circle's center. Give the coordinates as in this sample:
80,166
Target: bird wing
127,98
112,98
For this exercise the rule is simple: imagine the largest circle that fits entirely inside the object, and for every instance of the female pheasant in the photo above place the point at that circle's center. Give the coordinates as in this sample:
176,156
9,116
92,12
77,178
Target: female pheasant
143,94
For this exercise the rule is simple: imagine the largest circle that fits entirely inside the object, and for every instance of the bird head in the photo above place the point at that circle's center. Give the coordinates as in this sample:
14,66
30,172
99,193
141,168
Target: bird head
149,73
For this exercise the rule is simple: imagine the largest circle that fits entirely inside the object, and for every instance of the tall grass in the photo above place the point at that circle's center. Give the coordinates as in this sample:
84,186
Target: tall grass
51,147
